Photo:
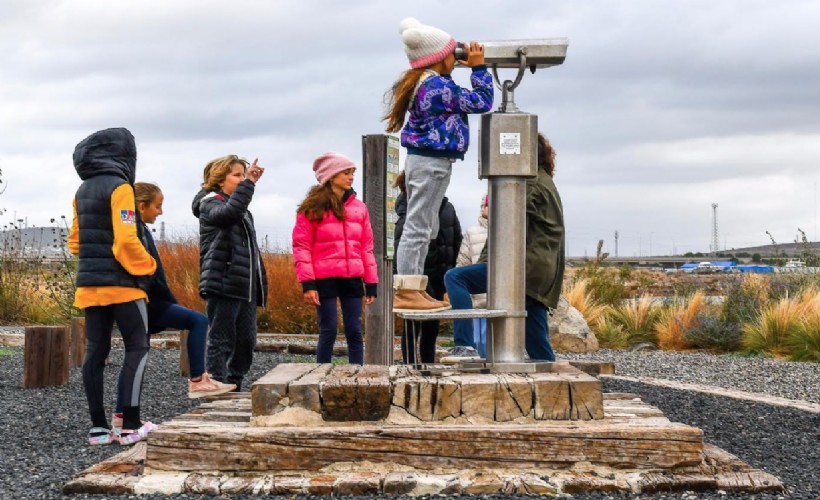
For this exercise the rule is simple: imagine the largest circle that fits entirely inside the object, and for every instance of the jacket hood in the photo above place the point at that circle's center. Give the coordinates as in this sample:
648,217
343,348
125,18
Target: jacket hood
483,221
111,151
197,200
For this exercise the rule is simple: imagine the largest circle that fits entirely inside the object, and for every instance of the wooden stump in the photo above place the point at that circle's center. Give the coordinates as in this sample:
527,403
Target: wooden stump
77,351
45,357
184,360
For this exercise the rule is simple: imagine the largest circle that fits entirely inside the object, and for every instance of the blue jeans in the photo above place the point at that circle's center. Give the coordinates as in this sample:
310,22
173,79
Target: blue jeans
183,318
196,323
461,282
328,327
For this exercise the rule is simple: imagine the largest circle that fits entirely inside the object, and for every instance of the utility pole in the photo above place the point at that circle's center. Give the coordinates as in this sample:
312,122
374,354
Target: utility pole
715,243
162,231
616,243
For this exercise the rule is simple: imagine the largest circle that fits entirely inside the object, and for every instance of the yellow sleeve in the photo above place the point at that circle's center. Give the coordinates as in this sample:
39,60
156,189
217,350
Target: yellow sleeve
128,249
74,233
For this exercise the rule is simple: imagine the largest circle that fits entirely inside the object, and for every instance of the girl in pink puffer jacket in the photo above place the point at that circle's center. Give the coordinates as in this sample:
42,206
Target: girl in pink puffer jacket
333,255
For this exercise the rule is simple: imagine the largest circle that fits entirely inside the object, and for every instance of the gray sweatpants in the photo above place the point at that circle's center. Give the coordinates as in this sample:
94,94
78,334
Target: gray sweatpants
427,180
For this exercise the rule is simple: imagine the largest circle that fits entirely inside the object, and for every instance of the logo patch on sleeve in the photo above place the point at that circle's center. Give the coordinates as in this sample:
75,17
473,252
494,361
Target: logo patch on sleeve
127,217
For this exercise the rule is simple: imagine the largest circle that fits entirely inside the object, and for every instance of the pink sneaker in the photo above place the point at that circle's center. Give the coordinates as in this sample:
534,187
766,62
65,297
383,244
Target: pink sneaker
127,437
207,386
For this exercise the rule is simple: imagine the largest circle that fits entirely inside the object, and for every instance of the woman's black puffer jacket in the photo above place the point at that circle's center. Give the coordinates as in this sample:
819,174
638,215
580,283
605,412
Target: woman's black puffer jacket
229,261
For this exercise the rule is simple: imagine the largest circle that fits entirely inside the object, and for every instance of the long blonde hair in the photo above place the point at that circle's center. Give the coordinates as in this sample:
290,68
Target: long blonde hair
399,98
217,170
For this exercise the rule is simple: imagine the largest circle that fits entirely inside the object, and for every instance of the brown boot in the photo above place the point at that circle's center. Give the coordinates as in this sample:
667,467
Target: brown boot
410,295
442,303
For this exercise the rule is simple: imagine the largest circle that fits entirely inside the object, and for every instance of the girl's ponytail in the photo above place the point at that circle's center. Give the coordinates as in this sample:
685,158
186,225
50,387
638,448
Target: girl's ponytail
399,97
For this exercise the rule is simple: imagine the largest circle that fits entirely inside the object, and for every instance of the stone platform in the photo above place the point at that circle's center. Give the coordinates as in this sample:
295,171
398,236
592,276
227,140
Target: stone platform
215,450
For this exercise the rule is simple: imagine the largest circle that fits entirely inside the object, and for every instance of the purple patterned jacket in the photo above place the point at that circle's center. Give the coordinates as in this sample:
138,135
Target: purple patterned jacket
438,124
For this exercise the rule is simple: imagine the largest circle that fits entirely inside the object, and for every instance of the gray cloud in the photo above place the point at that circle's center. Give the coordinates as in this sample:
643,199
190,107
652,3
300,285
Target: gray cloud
660,109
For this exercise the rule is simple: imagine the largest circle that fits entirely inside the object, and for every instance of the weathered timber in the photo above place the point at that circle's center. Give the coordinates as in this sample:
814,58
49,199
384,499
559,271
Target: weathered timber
513,397
45,356
269,390
305,391
594,368
586,398
356,393
657,443
415,395
184,360
77,342
477,393
552,396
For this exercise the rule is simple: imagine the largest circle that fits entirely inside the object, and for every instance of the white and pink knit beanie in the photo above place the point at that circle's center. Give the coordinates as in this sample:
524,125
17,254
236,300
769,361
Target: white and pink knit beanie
330,164
425,45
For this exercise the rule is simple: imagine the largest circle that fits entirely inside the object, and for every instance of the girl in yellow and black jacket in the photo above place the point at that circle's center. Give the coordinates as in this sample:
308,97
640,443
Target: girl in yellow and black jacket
112,276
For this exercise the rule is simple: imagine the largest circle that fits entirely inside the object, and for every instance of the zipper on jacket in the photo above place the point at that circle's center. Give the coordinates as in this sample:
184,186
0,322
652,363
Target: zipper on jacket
250,262
344,237
259,273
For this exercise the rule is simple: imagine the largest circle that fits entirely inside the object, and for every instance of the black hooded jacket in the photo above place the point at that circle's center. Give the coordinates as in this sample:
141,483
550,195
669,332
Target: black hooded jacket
229,261
105,160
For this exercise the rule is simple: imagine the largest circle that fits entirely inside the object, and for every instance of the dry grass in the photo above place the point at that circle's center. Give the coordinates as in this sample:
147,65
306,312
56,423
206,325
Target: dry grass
678,319
776,323
803,343
285,311
611,335
180,260
580,297
637,318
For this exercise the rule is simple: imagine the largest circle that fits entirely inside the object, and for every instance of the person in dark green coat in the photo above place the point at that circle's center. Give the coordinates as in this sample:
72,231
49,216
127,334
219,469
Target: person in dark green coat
544,262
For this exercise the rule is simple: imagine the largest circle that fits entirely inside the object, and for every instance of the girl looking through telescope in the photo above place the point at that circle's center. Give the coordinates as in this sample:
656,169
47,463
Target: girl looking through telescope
436,134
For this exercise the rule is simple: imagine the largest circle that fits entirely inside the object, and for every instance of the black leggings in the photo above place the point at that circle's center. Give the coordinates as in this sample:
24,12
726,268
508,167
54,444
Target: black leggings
132,320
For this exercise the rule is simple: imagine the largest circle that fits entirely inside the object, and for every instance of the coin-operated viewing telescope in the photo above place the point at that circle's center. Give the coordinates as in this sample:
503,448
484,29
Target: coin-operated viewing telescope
507,157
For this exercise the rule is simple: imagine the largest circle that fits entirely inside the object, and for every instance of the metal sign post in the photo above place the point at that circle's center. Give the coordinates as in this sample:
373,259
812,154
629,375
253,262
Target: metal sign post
380,160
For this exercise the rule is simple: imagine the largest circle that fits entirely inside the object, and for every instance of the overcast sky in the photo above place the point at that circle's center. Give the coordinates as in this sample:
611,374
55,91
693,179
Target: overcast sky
661,108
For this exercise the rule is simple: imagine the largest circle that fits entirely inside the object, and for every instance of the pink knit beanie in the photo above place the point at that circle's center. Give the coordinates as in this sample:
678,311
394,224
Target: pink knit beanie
424,45
330,164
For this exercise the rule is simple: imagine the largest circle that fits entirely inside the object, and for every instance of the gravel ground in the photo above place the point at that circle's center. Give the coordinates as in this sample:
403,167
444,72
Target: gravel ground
785,379
44,430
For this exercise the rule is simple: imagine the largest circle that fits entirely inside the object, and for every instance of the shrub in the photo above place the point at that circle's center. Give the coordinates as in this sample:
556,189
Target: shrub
579,297
744,298
611,335
803,342
637,318
677,320
712,332
775,324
